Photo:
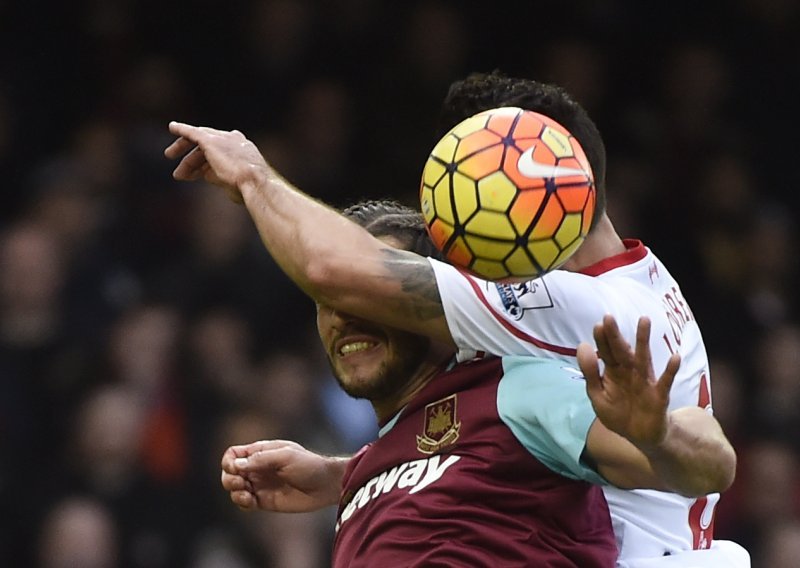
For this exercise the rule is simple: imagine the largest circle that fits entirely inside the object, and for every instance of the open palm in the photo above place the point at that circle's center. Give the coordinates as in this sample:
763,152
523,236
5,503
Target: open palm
627,397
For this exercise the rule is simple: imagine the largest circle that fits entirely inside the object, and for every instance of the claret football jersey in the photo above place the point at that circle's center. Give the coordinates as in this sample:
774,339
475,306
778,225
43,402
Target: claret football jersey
482,468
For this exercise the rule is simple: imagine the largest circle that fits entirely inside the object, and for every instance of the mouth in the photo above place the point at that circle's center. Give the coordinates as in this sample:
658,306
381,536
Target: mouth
352,345
355,347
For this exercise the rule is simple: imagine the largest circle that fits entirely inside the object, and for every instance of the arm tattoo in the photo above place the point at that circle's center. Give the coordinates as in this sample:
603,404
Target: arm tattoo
418,282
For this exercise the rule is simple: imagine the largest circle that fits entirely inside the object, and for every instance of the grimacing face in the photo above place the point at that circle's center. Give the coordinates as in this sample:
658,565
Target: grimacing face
369,360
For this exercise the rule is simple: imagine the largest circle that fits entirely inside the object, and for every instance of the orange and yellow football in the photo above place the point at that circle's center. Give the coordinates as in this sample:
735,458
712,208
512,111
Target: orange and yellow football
508,194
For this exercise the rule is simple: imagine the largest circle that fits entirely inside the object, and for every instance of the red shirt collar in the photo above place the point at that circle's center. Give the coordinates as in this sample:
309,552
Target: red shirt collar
634,252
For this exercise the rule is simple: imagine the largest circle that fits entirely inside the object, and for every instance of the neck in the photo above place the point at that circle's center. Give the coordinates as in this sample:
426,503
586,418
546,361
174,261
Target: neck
387,407
603,242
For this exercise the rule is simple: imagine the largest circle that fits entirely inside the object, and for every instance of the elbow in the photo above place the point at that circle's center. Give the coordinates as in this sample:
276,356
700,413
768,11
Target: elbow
724,473
718,477
727,473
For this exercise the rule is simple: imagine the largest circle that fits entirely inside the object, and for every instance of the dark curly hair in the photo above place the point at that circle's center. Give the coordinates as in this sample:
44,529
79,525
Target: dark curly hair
388,218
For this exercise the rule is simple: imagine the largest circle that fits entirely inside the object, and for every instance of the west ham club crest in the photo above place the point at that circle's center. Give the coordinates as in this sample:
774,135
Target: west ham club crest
441,426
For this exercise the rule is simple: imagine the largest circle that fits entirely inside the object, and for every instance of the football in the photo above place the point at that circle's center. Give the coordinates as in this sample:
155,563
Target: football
508,195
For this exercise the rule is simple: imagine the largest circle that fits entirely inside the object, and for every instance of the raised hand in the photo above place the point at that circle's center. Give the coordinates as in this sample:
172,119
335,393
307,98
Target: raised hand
279,475
627,397
224,158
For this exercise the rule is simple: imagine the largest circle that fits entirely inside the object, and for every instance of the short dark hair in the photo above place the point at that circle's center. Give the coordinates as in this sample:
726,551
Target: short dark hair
485,91
388,218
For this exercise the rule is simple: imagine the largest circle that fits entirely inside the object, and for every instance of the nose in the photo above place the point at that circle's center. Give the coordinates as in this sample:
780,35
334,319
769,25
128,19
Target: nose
340,318
334,317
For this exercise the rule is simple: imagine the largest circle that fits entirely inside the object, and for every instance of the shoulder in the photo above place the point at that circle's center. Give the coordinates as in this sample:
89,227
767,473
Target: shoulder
544,404
529,382
529,369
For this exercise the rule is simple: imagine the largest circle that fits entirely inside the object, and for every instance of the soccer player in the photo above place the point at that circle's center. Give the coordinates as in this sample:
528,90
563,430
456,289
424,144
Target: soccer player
341,265
486,463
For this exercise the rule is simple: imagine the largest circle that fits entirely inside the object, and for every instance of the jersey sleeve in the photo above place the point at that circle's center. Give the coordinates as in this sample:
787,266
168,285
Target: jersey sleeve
546,317
545,405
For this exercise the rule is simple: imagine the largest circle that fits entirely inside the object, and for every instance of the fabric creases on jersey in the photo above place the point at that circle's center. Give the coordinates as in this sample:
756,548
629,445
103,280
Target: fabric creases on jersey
450,484
550,316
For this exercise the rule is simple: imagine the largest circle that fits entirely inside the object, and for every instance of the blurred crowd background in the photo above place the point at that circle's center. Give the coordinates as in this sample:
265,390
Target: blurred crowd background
143,328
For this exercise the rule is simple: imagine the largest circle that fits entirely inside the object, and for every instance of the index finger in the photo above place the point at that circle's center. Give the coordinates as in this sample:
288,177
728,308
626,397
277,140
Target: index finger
183,129
230,456
260,445
194,132
248,450
275,459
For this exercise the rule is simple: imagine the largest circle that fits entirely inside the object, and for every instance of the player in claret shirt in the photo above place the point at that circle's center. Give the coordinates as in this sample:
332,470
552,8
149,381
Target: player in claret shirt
488,462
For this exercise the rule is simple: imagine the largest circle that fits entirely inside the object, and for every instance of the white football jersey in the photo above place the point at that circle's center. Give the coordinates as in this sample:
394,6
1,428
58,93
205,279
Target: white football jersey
550,316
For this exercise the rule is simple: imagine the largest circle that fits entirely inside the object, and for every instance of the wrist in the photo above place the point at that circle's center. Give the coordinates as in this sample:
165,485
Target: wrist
658,443
252,184
336,467
261,186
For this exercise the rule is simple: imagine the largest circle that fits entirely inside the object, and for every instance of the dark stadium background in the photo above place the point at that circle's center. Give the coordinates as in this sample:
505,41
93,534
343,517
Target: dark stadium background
143,328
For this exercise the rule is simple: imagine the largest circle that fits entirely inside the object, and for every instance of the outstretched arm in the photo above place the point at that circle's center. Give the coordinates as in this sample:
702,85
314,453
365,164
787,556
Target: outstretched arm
636,442
278,475
332,259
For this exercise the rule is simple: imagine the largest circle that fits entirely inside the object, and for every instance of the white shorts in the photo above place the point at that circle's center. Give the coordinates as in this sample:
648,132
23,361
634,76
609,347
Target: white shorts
722,554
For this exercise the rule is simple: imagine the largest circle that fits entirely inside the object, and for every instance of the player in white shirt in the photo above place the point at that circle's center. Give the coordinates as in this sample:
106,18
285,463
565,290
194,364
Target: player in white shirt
340,265
551,316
